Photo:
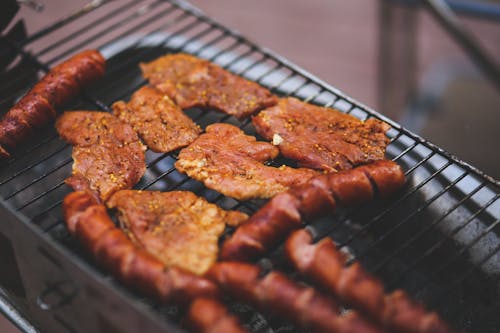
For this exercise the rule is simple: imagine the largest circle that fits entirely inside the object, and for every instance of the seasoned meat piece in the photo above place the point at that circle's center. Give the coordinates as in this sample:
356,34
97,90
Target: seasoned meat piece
228,161
191,81
108,155
89,128
38,107
322,138
90,223
179,228
159,122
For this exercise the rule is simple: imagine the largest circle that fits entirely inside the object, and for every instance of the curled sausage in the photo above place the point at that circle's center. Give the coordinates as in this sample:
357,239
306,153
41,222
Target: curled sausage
91,224
277,295
284,213
38,107
323,264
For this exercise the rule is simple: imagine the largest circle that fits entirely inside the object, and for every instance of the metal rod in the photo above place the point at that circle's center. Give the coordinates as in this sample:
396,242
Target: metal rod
14,316
89,7
445,16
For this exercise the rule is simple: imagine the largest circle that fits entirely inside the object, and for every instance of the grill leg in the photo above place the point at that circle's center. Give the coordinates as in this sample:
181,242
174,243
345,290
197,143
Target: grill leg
397,58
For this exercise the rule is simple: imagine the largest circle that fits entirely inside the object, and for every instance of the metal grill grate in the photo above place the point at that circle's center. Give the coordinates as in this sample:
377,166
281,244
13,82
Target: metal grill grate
438,239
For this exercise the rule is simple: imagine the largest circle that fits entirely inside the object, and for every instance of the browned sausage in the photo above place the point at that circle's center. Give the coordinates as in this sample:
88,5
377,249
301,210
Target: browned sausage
284,213
207,315
277,295
278,217
323,264
38,107
91,224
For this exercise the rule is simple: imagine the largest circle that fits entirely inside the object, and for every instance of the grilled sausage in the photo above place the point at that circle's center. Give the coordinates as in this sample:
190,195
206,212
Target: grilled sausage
91,224
38,107
276,294
283,213
206,315
323,264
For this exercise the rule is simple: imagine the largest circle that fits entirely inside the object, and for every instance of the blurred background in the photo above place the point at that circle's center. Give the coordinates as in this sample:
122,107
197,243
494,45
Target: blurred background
392,56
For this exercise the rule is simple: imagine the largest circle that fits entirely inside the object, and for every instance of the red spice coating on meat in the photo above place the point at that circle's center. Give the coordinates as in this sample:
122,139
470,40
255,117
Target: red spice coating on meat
159,122
191,81
108,155
179,228
322,138
230,162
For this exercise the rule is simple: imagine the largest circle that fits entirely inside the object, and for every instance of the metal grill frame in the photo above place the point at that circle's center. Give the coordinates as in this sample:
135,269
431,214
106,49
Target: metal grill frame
77,283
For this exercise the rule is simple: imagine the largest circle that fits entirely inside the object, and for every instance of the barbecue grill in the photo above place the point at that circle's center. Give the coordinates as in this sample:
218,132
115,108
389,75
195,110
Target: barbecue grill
438,238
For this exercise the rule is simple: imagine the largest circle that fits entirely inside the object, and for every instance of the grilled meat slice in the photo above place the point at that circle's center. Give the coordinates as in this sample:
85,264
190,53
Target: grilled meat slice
322,138
158,121
191,81
228,161
107,153
90,223
179,228
38,107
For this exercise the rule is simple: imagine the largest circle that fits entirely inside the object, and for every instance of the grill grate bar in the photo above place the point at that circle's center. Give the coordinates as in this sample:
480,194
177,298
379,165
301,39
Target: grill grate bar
431,225
443,240
253,64
157,179
40,196
22,77
303,73
394,204
196,34
145,53
470,244
34,164
38,179
388,209
90,25
439,298
178,19
427,203
113,27
40,144
89,7
183,45
406,150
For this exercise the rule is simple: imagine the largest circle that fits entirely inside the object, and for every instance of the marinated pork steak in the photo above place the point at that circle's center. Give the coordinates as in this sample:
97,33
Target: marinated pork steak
191,81
179,228
107,154
322,138
230,162
157,119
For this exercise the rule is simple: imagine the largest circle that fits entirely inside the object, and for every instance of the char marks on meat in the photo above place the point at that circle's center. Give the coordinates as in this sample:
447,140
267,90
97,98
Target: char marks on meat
108,155
159,122
322,138
191,81
228,161
178,227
